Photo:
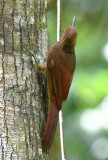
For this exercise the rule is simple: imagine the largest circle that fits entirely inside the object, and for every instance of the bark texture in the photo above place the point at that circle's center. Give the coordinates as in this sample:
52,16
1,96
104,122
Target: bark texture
23,90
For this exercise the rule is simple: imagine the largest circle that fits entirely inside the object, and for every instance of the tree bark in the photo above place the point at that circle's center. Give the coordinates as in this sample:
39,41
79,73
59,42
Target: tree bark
23,89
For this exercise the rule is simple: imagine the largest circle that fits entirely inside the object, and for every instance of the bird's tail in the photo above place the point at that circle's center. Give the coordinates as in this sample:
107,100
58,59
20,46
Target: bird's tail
51,124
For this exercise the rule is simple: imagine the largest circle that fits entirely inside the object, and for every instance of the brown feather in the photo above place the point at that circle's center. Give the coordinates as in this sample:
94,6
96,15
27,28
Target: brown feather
60,74
61,63
51,124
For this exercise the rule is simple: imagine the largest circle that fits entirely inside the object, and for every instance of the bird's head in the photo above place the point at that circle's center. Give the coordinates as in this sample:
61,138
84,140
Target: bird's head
70,35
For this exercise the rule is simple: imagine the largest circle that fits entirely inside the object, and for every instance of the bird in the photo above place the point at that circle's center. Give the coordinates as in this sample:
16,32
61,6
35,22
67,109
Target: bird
61,62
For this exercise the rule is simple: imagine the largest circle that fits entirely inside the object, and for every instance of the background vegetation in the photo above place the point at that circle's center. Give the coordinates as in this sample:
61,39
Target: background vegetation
86,110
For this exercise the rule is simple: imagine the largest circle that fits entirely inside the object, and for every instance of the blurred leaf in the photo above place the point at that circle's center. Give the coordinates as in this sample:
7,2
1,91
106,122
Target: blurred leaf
90,81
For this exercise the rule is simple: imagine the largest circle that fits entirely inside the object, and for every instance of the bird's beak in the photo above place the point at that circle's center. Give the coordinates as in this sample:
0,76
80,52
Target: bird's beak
73,22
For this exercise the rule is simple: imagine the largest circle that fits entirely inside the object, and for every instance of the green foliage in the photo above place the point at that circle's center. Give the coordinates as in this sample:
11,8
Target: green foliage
90,84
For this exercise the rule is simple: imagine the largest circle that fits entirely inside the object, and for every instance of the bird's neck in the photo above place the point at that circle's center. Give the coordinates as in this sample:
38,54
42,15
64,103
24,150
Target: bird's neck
67,47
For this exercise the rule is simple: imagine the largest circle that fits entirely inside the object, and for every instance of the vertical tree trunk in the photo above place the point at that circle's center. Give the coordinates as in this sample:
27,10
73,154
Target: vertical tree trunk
23,90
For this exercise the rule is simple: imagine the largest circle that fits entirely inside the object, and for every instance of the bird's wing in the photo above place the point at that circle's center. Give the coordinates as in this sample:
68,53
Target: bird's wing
59,78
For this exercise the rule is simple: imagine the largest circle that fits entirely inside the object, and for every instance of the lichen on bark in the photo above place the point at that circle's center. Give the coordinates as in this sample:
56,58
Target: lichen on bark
23,89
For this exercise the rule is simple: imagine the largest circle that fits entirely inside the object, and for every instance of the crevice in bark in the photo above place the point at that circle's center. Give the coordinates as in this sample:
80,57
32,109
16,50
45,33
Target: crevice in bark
13,44
3,71
27,22
21,47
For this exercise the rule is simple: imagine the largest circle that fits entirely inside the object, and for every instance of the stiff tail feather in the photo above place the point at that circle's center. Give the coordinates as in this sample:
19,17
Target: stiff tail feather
51,124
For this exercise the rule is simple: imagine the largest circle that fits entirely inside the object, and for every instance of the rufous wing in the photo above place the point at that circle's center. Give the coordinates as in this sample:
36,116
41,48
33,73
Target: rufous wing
59,79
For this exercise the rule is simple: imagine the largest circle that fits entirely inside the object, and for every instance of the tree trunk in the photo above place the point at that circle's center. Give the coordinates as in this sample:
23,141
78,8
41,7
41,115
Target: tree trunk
23,89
